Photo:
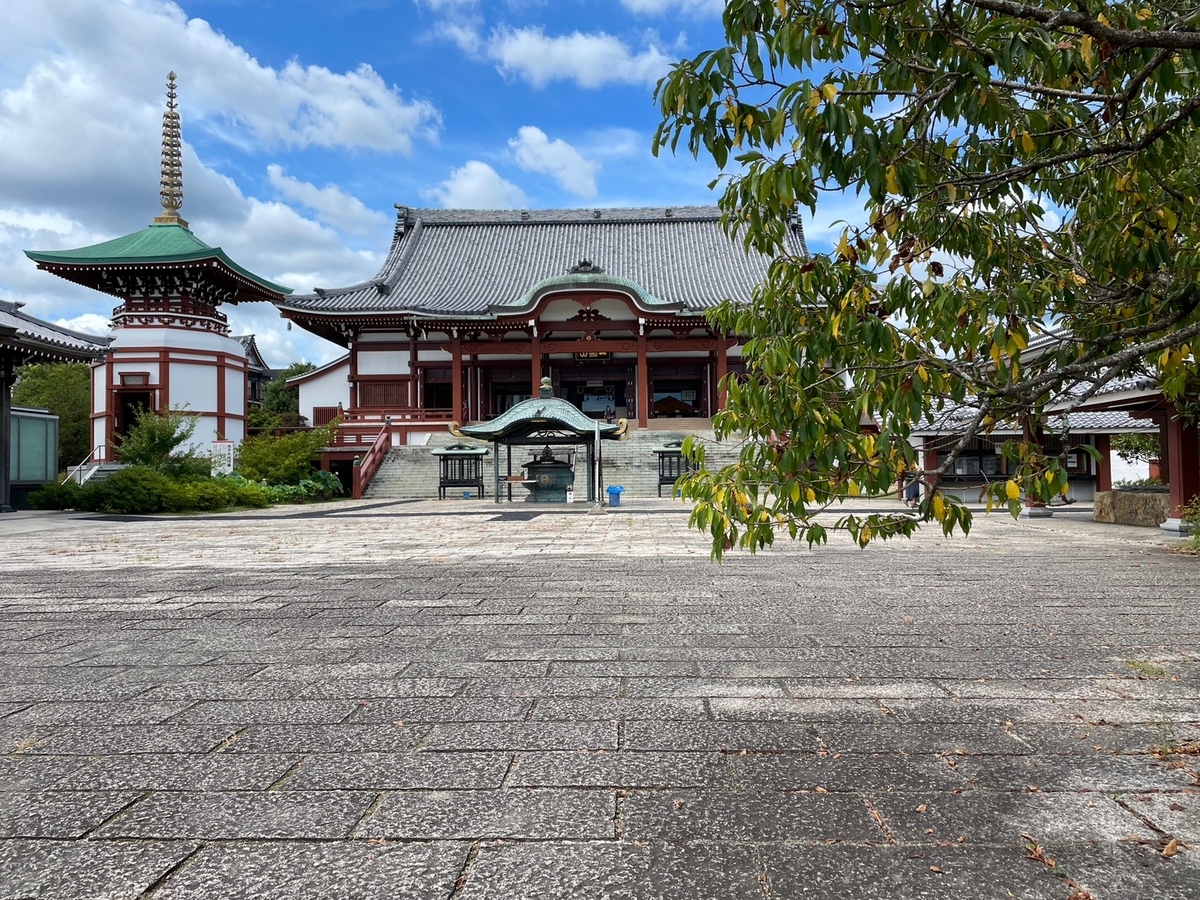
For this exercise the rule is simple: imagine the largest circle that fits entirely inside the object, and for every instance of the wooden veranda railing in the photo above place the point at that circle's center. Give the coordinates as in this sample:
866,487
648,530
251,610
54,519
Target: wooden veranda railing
367,465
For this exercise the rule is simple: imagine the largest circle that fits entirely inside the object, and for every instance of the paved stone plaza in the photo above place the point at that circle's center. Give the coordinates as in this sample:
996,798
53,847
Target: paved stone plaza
463,700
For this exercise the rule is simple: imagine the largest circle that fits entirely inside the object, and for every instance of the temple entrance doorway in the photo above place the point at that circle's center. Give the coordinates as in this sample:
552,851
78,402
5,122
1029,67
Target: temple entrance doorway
598,391
129,404
597,396
678,391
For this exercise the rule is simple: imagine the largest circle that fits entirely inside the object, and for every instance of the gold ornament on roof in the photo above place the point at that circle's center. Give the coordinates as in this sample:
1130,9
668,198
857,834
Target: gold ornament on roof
171,185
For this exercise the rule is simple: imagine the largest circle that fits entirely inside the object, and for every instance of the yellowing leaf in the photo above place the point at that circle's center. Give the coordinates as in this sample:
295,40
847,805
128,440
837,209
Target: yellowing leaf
892,186
1012,490
829,91
852,489
810,496
939,507
1085,50
952,192
1027,143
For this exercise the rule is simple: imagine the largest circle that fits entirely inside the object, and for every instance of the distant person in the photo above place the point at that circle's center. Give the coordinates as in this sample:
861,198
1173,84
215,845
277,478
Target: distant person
609,414
912,491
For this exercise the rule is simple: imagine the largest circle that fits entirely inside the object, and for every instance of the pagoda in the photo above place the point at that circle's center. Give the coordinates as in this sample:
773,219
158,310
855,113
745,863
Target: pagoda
171,347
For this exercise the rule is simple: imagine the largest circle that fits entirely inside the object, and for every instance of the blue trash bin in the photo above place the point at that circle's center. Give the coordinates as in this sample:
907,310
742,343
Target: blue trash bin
614,495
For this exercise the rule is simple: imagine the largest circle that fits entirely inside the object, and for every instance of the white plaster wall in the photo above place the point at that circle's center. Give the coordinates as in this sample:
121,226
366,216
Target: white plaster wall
382,362
150,368
98,440
368,336
434,356
235,393
193,387
99,394
560,310
327,389
175,338
235,430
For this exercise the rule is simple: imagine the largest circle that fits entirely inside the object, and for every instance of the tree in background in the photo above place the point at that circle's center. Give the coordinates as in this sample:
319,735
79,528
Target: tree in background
1135,448
65,390
1028,234
279,397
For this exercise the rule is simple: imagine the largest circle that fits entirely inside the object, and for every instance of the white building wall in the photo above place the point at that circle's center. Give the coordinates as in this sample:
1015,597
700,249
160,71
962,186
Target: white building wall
99,385
193,387
329,388
382,362
235,393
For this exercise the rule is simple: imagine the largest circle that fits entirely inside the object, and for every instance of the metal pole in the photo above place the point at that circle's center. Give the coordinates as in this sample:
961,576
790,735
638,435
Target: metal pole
599,507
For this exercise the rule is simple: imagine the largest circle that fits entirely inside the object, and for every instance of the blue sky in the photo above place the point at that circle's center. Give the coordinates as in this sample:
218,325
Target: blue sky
305,121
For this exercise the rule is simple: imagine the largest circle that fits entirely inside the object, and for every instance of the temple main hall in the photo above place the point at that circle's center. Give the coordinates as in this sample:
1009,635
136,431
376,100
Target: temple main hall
472,308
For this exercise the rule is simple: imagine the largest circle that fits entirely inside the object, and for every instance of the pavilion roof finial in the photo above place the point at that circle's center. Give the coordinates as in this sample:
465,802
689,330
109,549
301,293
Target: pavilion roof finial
171,185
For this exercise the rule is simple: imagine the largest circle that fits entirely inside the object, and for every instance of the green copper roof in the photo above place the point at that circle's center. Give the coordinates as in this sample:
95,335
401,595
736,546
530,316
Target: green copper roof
537,416
158,244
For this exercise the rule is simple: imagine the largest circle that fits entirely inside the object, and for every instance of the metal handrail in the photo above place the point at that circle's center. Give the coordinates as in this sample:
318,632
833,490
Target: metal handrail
97,454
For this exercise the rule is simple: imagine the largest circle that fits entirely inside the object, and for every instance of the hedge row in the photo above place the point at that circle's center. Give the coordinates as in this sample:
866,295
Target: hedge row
142,490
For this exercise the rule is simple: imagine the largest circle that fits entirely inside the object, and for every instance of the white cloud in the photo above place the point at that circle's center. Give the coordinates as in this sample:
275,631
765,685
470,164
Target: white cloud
535,152
590,60
439,5
88,323
116,49
80,111
661,7
465,37
332,205
476,185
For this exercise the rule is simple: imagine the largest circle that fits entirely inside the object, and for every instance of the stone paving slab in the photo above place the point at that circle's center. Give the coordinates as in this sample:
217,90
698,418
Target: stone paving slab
286,871
517,814
86,870
241,815
425,700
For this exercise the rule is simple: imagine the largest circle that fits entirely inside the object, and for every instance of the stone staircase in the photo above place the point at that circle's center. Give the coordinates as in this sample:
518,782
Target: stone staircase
94,472
412,472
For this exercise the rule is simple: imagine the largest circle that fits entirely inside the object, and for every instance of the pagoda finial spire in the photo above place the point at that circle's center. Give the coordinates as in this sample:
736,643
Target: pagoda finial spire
171,186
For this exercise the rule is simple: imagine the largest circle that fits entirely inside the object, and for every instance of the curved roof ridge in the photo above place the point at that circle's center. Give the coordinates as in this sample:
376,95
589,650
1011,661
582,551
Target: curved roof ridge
564,216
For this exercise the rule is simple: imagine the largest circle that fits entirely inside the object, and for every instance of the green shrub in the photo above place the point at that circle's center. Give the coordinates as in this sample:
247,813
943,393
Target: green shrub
135,489
287,459
1191,516
156,438
57,496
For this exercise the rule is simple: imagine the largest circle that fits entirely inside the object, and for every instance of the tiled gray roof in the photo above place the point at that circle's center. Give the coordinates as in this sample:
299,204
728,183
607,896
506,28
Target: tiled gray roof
479,262
953,421
35,340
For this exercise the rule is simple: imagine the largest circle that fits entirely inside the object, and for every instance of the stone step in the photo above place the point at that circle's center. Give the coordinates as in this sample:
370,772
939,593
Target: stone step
413,472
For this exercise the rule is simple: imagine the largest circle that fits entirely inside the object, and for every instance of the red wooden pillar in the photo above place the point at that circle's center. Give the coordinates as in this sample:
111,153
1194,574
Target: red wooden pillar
643,380
930,460
456,378
352,346
722,371
1183,462
413,394
535,371
1104,463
